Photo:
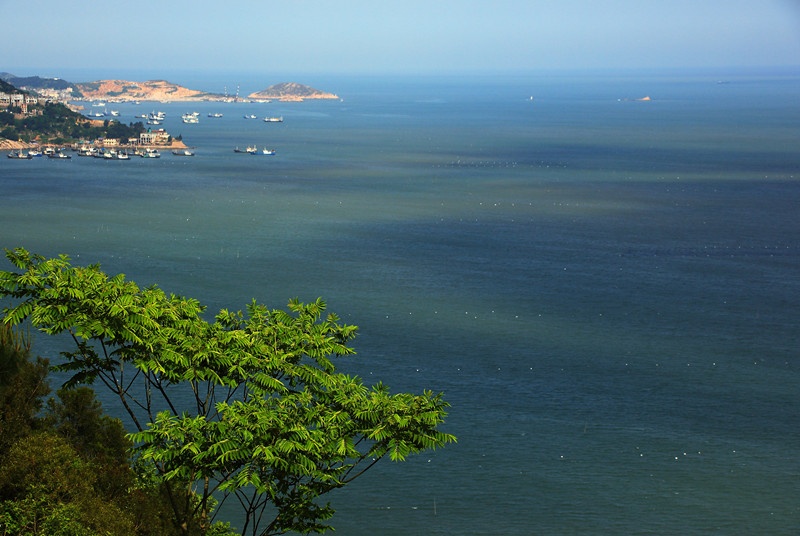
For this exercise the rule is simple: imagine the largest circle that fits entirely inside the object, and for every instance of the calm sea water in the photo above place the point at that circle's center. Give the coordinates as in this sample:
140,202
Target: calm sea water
607,290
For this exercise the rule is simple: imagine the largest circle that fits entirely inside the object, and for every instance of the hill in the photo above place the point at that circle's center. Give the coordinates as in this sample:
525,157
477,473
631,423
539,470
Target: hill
5,87
124,90
54,123
291,91
36,82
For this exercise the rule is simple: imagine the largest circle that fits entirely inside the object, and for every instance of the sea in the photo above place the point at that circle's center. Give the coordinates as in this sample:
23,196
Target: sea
600,271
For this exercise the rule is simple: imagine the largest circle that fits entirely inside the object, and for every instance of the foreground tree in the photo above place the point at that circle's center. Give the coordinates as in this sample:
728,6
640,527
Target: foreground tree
66,470
248,408
23,386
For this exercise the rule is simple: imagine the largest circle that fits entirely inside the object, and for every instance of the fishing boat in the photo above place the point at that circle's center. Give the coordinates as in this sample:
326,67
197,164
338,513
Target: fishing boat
19,155
215,115
250,116
273,119
150,153
191,118
59,155
250,149
267,152
183,152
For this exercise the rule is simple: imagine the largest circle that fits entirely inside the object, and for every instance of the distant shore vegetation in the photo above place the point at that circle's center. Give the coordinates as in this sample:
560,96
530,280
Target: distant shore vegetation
54,123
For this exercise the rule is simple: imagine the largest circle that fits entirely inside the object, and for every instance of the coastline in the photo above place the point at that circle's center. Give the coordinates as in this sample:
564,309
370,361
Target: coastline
10,145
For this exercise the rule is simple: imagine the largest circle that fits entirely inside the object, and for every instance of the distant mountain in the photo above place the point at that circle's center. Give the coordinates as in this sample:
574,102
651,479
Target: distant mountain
35,83
291,91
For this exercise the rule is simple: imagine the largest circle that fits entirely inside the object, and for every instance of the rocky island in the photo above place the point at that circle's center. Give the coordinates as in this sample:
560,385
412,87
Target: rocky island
291,92
151,90
161,90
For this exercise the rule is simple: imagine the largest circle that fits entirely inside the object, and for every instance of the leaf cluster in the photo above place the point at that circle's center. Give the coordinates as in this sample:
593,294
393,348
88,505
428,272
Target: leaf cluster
269,422
66,470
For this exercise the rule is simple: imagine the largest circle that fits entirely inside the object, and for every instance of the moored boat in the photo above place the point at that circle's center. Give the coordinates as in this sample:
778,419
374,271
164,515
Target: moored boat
19,155
183,152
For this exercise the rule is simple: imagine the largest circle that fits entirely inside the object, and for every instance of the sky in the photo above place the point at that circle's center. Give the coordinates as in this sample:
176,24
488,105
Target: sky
388,36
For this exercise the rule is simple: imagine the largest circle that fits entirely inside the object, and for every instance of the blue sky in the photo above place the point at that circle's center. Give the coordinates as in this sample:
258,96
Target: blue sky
409,36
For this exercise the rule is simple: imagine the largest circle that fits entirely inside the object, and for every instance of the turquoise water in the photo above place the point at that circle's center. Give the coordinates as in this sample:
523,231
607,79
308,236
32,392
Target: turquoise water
606,290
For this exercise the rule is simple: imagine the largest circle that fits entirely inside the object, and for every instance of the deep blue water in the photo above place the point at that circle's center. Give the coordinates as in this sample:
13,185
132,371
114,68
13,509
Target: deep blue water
606,290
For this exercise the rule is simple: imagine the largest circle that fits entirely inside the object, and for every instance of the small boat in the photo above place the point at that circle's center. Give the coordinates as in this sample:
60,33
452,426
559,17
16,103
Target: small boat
250,116
58,155
273,119
150,153
215,115
190,119
182,152
111,154
268,152
19,155
115,113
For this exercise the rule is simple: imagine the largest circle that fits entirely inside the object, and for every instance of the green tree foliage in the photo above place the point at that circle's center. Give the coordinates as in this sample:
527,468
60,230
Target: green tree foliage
67,471
57,123
247,408
23,386
49,489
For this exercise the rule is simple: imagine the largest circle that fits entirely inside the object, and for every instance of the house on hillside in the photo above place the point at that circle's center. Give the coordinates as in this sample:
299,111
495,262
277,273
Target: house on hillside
17,99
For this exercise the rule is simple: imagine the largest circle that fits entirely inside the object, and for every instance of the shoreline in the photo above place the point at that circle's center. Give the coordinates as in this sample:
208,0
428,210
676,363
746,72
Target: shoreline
10,145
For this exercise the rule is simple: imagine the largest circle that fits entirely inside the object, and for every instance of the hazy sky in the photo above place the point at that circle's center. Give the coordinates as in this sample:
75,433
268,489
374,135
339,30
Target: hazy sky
355,36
